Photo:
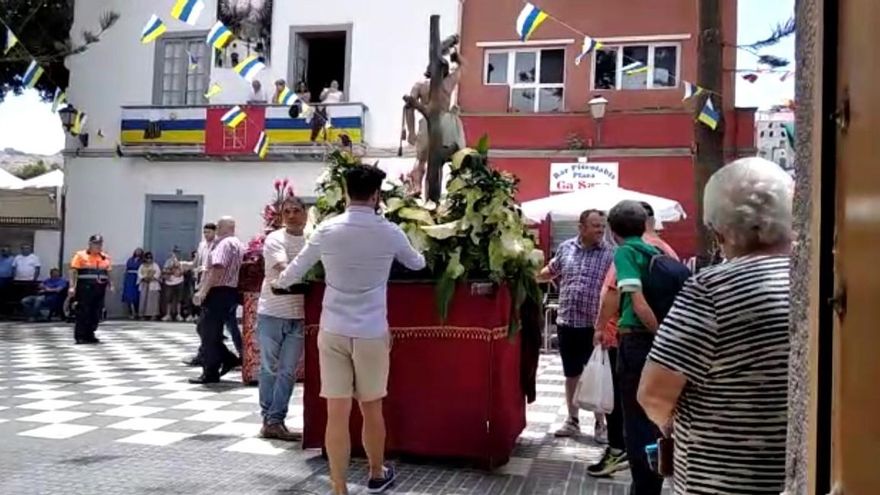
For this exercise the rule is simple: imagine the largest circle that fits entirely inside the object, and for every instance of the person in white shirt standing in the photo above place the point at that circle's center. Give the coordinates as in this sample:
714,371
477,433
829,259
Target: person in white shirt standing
356,249
280,323
27,265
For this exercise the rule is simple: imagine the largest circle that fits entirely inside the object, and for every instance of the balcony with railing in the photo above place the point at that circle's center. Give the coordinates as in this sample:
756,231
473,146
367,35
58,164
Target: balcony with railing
199,132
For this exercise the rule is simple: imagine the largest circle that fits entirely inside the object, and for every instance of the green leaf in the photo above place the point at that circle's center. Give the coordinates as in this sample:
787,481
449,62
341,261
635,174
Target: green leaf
442,231
483,145
416,215
446,285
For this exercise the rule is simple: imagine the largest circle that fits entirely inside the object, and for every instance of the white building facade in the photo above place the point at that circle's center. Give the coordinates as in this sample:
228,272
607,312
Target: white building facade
774,137
159,164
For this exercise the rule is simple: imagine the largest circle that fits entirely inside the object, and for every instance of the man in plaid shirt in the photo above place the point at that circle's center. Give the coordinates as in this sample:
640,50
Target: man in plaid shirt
579,268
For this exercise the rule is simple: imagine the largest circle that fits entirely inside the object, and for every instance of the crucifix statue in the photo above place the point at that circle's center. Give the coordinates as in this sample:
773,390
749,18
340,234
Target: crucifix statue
440,133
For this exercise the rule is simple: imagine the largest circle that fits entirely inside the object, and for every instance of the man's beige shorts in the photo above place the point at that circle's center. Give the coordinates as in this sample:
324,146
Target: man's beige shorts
353,368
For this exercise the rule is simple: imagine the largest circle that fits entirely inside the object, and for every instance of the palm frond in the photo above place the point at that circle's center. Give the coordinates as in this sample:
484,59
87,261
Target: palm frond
781,31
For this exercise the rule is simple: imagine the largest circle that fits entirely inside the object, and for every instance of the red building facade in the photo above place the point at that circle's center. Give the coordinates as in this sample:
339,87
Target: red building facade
531,97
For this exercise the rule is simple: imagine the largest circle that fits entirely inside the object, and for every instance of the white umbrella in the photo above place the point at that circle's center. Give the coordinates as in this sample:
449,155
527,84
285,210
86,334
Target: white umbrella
569,206
9,181
54,178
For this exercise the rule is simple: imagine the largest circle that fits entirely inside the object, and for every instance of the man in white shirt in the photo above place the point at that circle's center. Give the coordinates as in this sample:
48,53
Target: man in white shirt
356,249
258,95
27,265
280,323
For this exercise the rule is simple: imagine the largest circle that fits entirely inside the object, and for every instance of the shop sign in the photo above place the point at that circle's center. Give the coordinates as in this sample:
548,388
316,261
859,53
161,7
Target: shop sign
568,177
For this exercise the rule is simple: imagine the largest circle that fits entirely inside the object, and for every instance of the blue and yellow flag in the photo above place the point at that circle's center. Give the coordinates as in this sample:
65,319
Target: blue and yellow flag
213,91
709,115
286,97
249,68
219,36
234,117
154,28
587,47
33,74
262,147
11,41
59,99
529,20
188,11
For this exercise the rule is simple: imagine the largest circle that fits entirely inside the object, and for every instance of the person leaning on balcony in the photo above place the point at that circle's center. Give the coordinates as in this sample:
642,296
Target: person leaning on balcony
332,94
258,94
302,92
356,249
717,374
89,281
280,84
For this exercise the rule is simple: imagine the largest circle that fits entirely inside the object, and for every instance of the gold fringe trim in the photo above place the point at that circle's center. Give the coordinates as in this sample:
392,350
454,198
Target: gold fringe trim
439,332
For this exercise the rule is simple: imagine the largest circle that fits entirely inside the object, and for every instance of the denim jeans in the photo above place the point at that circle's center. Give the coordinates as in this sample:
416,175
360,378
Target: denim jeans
281,345
234,330
639,431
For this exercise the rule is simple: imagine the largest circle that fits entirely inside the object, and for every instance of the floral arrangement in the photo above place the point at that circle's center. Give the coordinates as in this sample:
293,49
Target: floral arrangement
252,268
477,231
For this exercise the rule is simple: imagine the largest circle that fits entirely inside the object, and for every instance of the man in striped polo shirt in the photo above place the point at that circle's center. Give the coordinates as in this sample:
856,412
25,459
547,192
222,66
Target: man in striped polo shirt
217,295
280,323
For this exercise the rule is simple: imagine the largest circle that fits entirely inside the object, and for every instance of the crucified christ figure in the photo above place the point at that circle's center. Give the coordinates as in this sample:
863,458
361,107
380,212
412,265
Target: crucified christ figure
420,99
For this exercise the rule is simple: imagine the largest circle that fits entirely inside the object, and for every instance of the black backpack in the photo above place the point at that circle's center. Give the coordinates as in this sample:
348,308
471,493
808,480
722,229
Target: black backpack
663,281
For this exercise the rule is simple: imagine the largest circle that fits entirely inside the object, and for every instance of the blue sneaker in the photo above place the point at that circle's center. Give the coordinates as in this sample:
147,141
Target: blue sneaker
379,485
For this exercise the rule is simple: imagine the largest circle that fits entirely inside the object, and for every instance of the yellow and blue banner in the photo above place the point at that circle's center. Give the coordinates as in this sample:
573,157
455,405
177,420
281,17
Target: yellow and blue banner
33,74
262,147
188,126
188,11
219,36
530,18
154,28
234,117
709,115
287,97
11,41
249,68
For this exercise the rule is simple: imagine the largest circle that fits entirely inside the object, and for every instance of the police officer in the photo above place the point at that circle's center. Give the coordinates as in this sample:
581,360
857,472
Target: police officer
89,281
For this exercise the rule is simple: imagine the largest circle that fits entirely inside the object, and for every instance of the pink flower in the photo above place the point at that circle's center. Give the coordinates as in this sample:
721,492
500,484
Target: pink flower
285,182
277,184
290,190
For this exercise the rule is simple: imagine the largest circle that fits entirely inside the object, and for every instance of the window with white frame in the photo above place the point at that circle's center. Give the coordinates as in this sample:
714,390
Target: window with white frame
536,77
637,66
181,70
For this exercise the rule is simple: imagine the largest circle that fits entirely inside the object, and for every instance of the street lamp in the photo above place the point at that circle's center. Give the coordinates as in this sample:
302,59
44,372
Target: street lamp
597,111
67,115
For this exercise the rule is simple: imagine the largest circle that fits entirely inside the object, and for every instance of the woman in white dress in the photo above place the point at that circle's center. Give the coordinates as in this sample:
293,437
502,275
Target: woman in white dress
151,289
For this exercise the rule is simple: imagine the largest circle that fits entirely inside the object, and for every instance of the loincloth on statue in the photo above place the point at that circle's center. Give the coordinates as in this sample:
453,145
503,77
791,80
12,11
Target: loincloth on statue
452,129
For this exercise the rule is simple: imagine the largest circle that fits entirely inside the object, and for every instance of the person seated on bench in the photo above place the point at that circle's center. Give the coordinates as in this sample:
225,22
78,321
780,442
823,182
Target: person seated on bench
51,296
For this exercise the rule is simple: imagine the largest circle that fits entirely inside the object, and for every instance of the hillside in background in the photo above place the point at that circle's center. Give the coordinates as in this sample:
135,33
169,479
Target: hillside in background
12,160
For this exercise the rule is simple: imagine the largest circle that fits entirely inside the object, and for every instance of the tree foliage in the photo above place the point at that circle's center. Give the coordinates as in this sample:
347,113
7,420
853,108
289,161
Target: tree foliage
43,31
34,169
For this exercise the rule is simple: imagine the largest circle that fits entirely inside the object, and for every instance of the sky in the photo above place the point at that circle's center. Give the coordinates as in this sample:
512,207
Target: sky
28,125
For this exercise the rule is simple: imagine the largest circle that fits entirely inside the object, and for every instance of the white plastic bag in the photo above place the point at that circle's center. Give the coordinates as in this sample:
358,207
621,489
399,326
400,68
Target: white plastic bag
595,391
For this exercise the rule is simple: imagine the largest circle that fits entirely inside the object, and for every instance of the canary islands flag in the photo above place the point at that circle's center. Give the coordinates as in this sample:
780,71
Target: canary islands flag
528,21
32,75
249,68
154,28
213,91
59,99
709,115
11,41
286,97
219,36
234,117
589,45
262,147
188,11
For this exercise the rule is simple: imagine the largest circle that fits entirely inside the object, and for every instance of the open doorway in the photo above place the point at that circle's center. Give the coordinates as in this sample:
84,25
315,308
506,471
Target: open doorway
320,55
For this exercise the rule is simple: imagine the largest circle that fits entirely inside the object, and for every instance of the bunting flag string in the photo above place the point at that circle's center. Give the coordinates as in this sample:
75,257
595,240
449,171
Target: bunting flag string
59,99
249,68
262,147
32,75
213,91
530,18
219,36
586,48
234,117
193,60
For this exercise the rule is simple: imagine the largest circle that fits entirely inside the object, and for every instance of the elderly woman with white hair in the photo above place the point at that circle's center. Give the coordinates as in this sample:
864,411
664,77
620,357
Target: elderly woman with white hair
717,374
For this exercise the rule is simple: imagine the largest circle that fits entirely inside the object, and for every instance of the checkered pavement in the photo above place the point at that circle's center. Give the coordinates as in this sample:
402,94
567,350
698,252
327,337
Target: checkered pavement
132,390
